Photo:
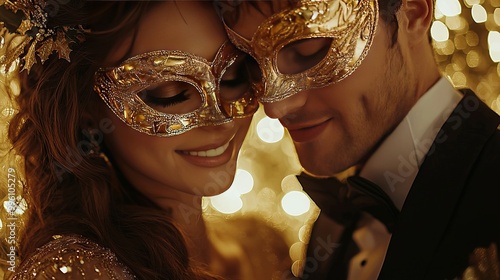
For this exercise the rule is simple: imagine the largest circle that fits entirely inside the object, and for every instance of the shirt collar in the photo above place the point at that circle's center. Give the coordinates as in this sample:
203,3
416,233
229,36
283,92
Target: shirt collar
395,163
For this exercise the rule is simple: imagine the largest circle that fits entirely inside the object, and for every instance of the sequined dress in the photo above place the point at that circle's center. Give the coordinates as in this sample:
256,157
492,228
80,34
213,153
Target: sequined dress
73,257
258,251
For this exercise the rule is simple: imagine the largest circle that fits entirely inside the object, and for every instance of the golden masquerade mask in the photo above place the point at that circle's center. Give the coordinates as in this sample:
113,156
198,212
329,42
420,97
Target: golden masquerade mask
166,93
348,26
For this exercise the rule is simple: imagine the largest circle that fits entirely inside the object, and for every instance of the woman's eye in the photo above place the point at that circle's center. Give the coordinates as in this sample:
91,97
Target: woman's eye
172,97
150,98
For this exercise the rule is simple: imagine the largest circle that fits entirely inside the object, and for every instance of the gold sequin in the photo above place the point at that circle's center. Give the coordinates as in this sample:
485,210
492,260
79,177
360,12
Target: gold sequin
70,257
485,264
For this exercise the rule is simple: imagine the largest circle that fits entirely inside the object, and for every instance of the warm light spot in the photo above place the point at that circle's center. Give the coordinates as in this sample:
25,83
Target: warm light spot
439,31
290,183
438,14
460,42
243,182
458,62
297,251
226,203
304,233
459,79
479,14
267,194
470,3
297,268
445,48
456,23
494,45
449,8
473,59
295,203
496,16
270,130
472,38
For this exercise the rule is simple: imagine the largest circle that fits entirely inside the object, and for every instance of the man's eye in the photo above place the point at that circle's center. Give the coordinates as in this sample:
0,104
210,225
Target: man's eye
311,47
240,78
302,55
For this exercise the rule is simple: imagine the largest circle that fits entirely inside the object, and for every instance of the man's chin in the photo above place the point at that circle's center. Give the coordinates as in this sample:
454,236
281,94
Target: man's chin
314,173
320,167
315,167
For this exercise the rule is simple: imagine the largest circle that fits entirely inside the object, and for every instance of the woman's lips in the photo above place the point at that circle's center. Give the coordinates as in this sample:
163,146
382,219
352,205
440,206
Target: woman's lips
212,157
209,153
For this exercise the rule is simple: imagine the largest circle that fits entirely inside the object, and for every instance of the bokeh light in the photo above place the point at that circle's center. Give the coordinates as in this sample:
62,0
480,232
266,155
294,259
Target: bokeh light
290,183
243,182
270,130
230,201
226,203
470,56
449,8
479,14
439,31
295,203
494,45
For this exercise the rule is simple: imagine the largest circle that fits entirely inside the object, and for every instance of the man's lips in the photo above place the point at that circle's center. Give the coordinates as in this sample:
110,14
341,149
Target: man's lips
306,132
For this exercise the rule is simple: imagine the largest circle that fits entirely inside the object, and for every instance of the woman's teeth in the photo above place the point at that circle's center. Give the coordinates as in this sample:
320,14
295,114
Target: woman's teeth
210,153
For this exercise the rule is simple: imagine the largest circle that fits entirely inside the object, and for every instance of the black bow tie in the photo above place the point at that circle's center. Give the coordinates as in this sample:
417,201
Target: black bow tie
342,202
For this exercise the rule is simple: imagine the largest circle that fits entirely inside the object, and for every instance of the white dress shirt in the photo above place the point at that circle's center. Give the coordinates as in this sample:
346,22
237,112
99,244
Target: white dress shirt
394,166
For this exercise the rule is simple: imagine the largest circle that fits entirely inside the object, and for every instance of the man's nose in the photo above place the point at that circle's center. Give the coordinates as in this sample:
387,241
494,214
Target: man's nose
285,107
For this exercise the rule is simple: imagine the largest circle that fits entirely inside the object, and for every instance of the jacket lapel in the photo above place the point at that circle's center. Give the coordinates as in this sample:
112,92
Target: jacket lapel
437,188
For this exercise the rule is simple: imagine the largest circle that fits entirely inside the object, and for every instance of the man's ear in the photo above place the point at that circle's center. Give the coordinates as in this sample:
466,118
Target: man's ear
415,18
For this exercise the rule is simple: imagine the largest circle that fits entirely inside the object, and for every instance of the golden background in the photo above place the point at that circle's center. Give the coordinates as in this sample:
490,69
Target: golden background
466,37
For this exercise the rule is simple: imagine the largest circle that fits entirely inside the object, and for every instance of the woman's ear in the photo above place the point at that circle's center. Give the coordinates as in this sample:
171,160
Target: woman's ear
88,120
93,112
415,18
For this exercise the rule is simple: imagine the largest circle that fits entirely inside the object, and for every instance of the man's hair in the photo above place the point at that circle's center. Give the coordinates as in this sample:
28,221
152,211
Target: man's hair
388,10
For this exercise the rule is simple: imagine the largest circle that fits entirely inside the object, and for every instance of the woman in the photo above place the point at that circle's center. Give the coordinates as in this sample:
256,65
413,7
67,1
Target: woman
123,137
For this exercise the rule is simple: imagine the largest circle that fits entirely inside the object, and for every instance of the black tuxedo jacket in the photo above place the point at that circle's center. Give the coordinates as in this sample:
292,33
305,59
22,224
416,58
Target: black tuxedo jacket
454,203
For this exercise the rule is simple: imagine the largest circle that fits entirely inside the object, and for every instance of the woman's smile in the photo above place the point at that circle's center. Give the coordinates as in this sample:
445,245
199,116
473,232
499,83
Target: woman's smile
208,153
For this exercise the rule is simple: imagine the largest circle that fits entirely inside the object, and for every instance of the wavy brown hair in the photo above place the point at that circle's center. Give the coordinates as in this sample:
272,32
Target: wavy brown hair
69,190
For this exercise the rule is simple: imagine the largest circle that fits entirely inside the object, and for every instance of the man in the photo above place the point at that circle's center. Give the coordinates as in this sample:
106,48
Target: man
356,85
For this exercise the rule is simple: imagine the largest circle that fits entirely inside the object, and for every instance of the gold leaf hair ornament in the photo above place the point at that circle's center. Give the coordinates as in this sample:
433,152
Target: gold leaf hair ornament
28,20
